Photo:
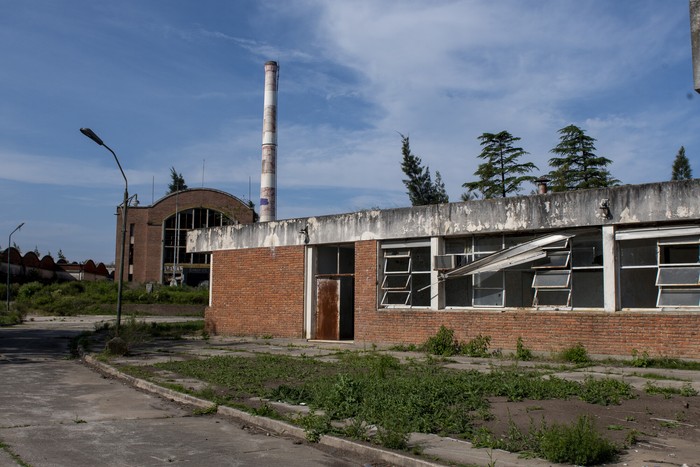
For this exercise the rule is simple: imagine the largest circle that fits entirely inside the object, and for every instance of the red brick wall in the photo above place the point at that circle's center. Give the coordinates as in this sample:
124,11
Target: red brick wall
261,291
148,226
258,292
603,333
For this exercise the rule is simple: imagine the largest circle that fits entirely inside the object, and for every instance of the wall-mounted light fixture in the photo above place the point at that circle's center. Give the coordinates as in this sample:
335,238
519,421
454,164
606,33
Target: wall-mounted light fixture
305,233
604,207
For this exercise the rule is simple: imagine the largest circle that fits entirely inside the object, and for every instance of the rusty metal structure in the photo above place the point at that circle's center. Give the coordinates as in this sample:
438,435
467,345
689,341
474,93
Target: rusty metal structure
268,176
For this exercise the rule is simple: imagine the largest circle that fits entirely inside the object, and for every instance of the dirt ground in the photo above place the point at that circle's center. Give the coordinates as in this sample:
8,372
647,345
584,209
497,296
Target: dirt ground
666,430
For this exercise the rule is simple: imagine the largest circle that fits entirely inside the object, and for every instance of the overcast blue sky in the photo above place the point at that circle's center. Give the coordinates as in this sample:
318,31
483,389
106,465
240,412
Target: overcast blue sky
180,83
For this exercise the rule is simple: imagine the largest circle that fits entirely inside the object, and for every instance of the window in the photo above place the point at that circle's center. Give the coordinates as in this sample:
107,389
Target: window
405,275
660,267
552,281
678,278
175,230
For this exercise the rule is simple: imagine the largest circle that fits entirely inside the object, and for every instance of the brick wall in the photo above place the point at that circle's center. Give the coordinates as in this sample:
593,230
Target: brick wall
148,226
602,333
258,292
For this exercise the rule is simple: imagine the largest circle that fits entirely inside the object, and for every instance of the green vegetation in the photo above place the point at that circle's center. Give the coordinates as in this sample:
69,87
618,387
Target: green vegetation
643,360
444,344
374,389
71,298
576,354
521,352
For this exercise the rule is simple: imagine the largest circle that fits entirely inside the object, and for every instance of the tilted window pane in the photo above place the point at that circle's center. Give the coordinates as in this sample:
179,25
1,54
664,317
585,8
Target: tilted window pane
397,265
396,281
679,297
551,279
554,259
395,298
679,276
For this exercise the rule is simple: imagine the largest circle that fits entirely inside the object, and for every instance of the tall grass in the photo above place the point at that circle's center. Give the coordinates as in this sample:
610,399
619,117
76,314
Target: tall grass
69,298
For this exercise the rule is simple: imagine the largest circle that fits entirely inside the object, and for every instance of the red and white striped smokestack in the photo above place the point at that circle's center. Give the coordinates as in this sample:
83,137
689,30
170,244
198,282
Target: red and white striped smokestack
268,176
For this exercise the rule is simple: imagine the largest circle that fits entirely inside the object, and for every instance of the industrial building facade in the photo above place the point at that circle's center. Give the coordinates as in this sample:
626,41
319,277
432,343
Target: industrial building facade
616,269
156,235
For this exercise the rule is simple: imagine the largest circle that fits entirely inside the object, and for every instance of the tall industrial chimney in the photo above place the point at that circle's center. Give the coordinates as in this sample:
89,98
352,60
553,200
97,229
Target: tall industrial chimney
268,176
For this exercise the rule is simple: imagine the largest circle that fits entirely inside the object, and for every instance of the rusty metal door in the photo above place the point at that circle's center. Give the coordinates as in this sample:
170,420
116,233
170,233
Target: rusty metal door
327,309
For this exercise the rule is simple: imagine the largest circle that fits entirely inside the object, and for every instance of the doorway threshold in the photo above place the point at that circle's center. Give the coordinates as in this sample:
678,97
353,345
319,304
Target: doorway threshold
326,341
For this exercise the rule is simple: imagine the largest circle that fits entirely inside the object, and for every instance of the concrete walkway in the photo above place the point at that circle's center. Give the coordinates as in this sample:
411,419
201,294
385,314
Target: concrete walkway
448,450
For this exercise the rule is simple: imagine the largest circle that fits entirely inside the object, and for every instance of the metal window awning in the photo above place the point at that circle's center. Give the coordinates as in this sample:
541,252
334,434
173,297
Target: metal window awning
659,232
519,254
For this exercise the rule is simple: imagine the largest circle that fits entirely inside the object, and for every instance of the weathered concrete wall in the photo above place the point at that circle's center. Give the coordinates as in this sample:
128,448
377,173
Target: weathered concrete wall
629,205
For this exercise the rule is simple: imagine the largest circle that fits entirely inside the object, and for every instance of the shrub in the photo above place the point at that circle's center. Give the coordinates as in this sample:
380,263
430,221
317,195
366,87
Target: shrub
522,352
577,444
477,347
443,343
576,354
640,360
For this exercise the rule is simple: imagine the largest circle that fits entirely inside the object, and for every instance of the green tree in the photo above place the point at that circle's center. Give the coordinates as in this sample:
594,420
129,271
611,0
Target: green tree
61,256
177,182
577,166
421,189
681,166
502,173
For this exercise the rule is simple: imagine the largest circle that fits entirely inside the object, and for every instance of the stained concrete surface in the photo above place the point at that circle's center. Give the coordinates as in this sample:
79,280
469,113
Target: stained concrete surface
58,412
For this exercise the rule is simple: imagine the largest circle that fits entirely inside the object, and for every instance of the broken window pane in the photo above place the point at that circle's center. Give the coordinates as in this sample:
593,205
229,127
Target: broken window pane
679,254
587,251
395,298
550,297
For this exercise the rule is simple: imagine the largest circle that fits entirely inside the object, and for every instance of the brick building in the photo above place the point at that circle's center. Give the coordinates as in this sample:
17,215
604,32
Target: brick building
616,269
156,235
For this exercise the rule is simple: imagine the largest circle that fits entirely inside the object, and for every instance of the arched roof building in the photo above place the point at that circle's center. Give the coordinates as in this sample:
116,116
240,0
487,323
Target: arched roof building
156,235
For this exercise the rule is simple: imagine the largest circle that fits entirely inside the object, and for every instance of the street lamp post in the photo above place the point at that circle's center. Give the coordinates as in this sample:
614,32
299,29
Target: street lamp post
91,134
9,245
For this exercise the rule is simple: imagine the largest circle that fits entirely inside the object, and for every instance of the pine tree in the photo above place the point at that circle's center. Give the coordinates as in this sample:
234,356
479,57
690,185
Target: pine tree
421,189
177,182
501,174
681,166
578,167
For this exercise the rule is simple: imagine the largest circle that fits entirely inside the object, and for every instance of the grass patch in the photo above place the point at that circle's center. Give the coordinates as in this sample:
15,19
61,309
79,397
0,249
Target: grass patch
372,388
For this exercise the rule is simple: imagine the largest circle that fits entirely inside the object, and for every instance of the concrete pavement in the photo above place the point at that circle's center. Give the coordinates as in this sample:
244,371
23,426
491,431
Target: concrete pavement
58,412
148,430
